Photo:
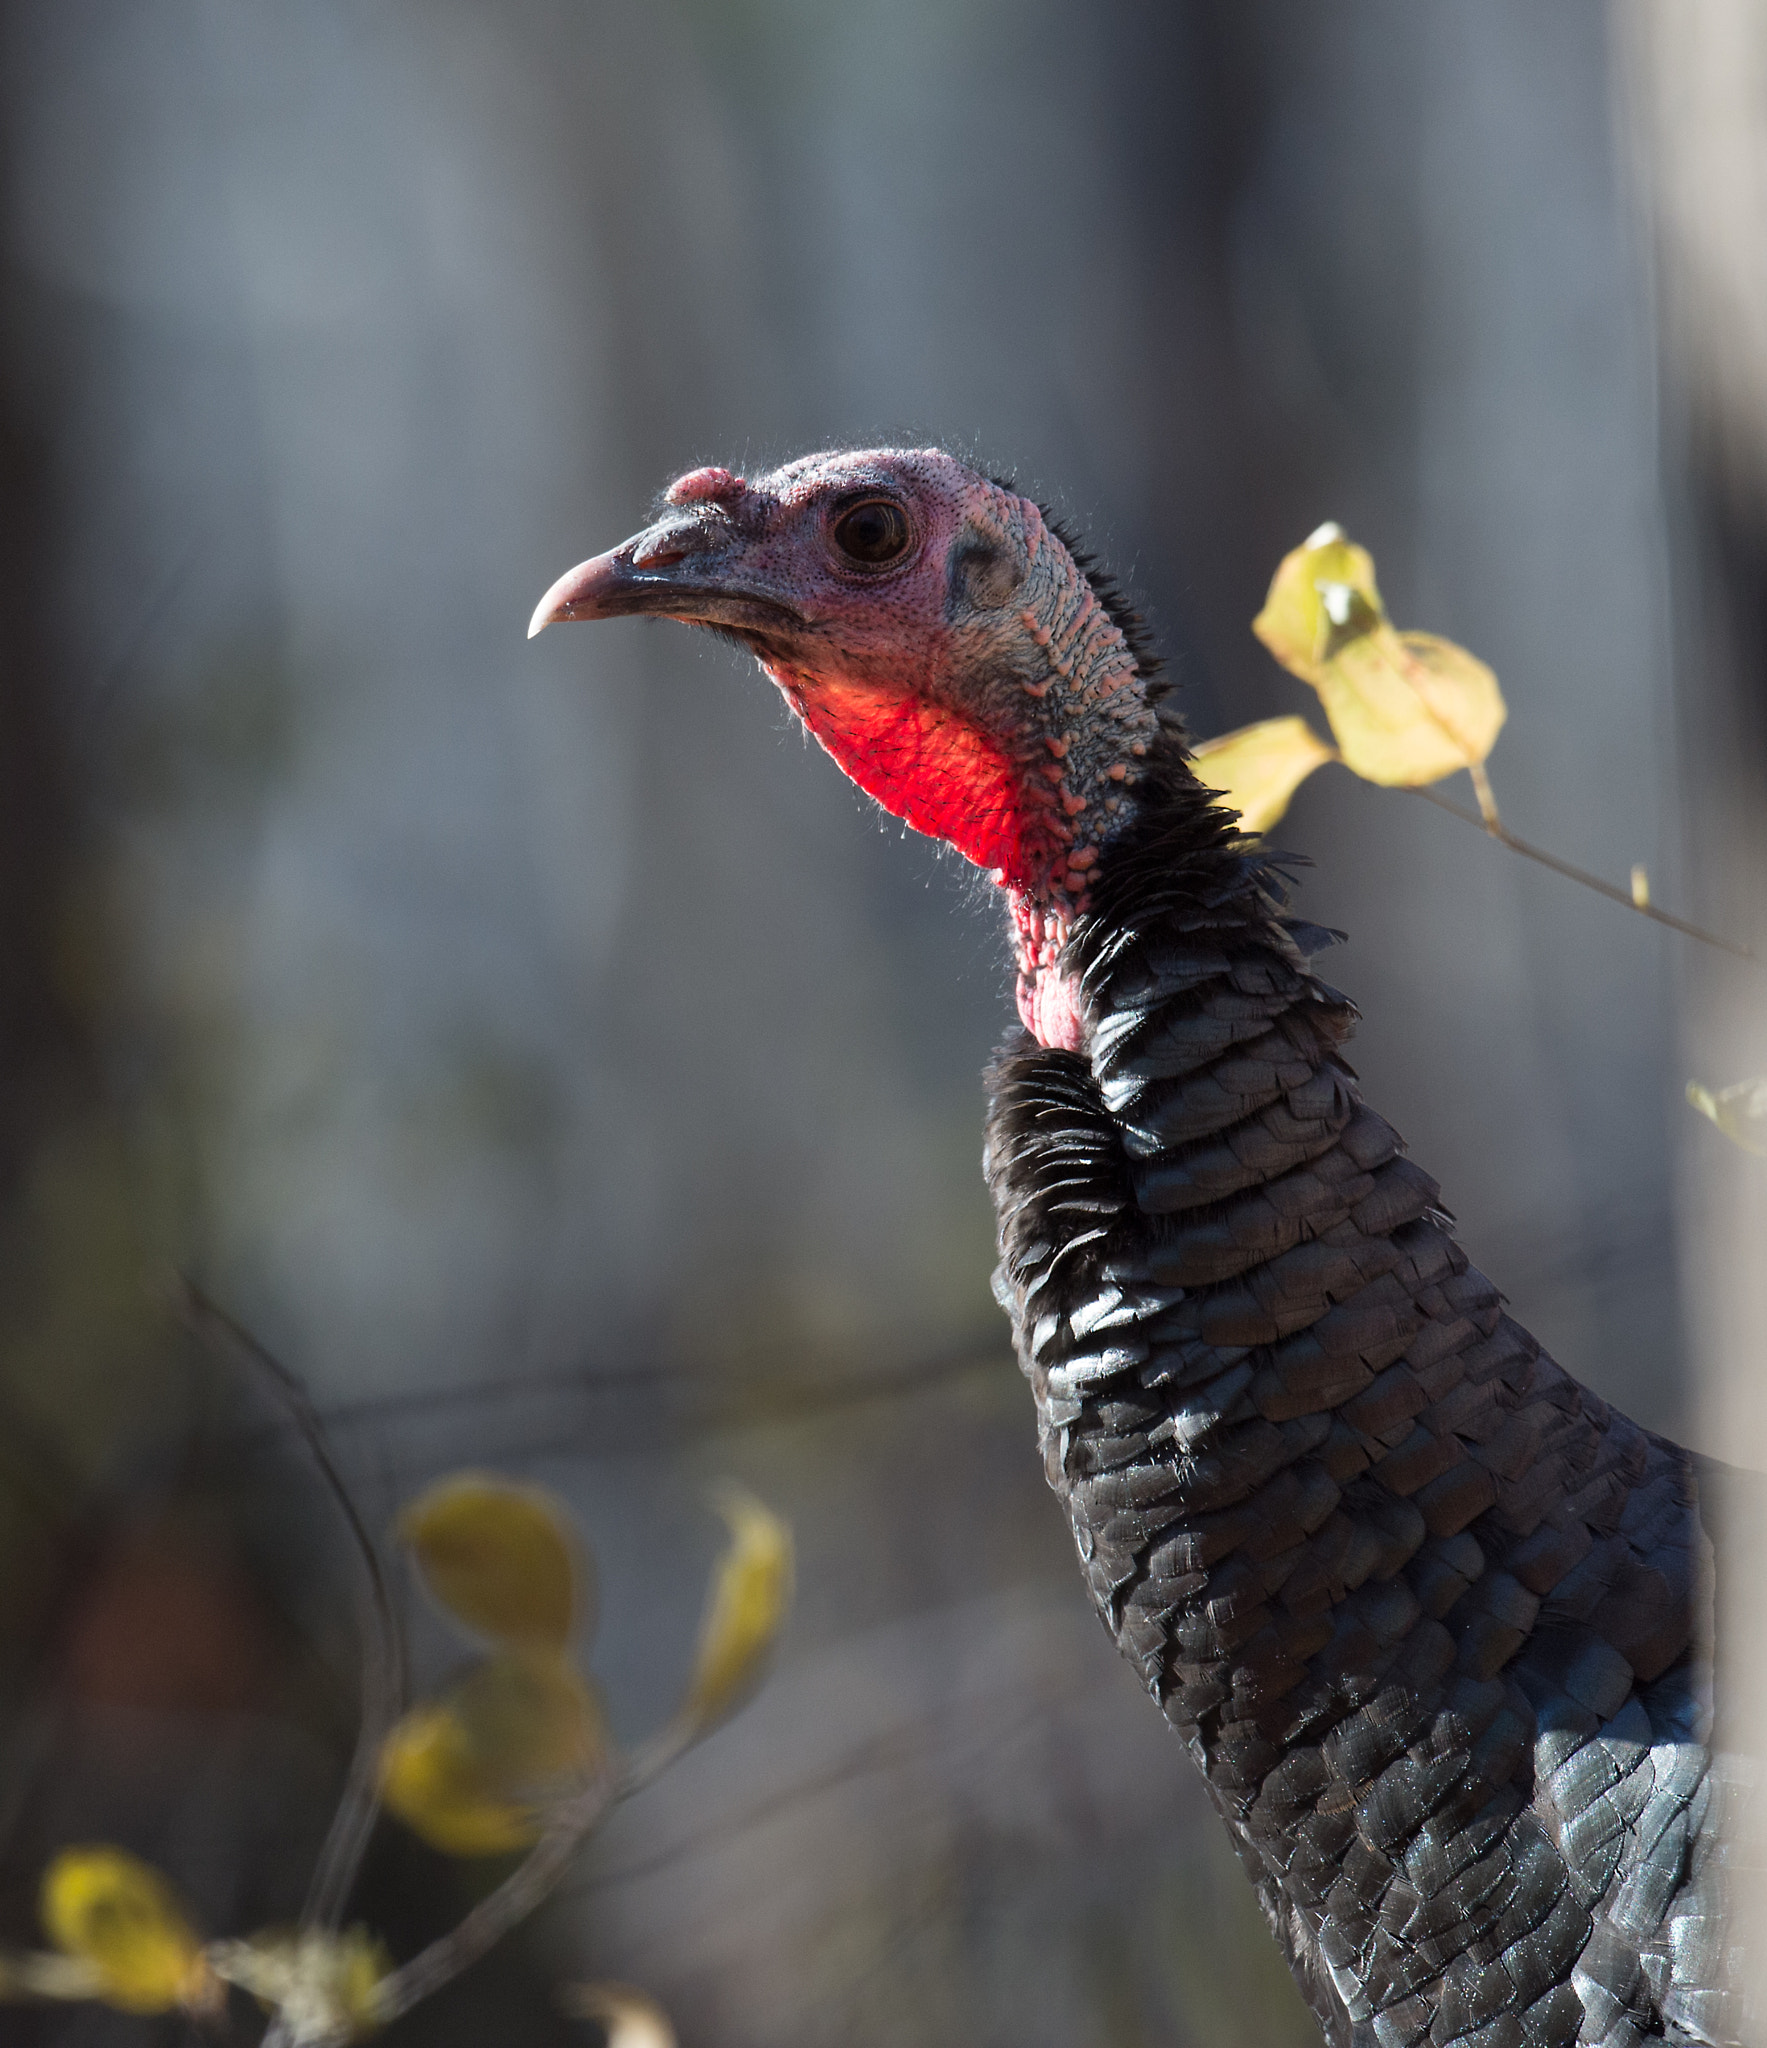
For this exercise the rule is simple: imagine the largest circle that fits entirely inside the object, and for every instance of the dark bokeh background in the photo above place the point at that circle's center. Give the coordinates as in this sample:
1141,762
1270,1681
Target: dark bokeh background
557,1063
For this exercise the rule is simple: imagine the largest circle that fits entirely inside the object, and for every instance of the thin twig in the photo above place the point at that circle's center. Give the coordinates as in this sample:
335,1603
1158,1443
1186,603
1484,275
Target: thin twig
514,1899
383,1658
888,1750
570,1825
800,1398
1494,828
657,1752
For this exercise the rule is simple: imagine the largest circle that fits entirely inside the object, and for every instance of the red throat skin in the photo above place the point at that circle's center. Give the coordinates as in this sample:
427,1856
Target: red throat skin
925,765
943,776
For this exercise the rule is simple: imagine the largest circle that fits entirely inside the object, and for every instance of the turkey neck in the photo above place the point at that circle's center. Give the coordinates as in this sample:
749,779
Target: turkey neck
1086,731
1215,1258
1322,1488
1186,1195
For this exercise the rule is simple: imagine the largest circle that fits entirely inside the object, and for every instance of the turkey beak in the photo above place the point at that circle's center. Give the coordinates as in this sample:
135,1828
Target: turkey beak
691,567
605,588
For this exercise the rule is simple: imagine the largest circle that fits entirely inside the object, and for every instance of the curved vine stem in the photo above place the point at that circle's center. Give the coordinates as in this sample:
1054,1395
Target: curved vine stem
383,1657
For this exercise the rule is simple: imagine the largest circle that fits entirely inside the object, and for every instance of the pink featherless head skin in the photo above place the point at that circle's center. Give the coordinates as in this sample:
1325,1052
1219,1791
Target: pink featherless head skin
940,641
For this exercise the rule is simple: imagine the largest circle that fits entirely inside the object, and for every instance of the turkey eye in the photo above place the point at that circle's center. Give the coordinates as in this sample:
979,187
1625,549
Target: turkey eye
873,532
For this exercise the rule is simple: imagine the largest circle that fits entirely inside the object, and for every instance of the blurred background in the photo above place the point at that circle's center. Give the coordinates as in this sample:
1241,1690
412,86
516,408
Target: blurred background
561,1068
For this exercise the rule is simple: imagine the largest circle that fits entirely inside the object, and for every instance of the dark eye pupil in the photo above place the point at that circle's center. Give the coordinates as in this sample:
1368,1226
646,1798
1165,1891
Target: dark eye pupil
876,531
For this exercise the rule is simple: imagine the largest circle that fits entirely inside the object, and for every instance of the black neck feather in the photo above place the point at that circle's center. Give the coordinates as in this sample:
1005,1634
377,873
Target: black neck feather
1362,1539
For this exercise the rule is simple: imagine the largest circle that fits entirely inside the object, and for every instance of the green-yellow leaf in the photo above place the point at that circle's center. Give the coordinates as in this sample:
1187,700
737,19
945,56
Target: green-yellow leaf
1323,594
1259,767
1405,708
504,1560
113,1912
1739,1111
326,1986
630,2018
475,1771
750,1593
430,1778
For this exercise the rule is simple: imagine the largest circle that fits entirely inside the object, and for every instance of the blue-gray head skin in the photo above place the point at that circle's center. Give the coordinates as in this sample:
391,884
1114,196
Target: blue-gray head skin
940,641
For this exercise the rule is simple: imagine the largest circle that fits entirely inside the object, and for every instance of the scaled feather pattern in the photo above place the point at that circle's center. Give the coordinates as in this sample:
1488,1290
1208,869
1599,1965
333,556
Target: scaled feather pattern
1433,1620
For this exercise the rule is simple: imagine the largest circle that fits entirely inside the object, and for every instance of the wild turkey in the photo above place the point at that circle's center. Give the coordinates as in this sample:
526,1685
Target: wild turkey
1434,1620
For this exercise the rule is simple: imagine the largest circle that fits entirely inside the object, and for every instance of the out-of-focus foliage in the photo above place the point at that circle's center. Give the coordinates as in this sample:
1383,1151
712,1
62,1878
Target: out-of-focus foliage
114,1913
121,1937
325,1987
1739,1111
629,2017
751,1591
514,1756
1258,768
126,1941
474,1771
1406,708
479,1771
504,1560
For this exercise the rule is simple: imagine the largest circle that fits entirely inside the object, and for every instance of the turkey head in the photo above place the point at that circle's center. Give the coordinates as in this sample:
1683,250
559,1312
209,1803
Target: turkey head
941,641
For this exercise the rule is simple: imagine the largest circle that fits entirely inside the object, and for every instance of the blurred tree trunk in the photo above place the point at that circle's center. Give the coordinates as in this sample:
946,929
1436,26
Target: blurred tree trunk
133,1597
1695,77
41,1050
47,1072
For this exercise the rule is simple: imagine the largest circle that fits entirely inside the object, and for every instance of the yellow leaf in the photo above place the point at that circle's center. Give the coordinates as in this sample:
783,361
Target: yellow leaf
1739,1111
1409,708
110,1910
430,1778
1258,768
325,1986
532,1721
1405,708
504,1560
750,1592
474,1772
1323,594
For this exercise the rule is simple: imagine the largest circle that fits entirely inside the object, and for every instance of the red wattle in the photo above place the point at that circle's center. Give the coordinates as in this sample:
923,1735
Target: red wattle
933,769
949,779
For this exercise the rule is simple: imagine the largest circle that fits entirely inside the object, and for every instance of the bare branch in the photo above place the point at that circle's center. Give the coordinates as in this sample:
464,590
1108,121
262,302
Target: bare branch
1494,828
383,1656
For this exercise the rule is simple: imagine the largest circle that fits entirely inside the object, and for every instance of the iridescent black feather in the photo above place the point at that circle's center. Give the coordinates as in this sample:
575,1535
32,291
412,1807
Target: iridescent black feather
1434,1620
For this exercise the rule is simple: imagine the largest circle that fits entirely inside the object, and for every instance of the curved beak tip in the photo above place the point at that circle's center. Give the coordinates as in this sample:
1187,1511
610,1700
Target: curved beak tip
589,591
